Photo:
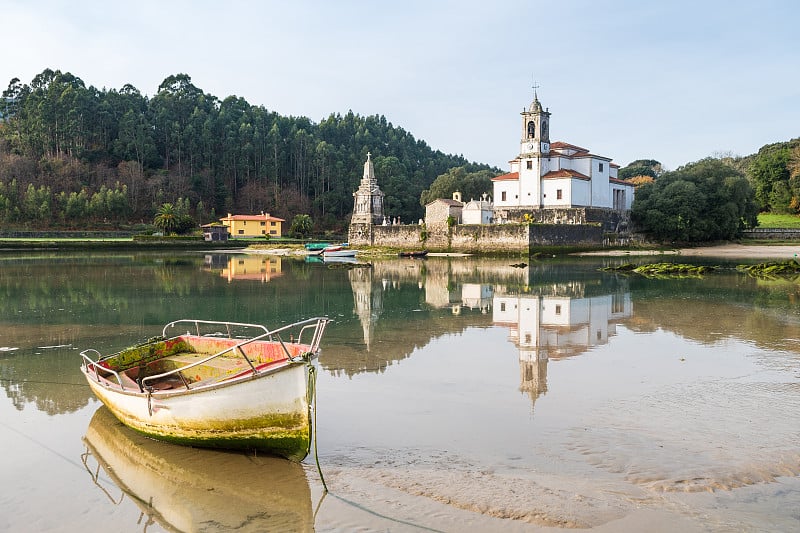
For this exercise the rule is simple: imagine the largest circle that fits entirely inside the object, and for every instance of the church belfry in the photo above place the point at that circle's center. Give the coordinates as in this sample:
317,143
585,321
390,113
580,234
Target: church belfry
535,129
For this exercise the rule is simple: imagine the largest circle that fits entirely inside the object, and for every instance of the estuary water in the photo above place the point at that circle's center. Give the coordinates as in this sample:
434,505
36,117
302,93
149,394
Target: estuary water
454,394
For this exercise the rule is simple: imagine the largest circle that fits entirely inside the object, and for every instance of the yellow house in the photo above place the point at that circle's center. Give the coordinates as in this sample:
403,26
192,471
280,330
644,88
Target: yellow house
253,225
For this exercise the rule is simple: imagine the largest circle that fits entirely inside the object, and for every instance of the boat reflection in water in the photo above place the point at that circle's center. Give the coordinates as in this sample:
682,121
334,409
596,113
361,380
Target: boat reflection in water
191,489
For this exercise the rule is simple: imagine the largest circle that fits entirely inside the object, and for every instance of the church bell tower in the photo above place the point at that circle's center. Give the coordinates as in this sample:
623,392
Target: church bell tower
535,129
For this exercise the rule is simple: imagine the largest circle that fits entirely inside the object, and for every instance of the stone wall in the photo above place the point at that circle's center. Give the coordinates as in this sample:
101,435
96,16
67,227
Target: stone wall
611,220
774,233
476,238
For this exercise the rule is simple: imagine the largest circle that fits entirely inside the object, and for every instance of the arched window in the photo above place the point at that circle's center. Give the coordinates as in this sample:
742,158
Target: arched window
531,129
544,129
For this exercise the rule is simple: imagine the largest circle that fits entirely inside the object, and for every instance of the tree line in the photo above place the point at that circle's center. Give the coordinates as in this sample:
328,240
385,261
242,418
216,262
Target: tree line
71,152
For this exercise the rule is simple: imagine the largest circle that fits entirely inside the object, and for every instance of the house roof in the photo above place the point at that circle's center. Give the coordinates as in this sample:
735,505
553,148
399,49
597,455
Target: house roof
565,173
507,177
267,217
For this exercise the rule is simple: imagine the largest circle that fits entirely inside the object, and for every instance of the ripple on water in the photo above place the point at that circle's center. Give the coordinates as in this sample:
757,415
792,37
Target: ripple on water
461,484
707,436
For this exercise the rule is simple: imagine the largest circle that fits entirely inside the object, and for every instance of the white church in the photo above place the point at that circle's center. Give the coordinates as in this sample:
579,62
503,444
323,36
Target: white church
549,175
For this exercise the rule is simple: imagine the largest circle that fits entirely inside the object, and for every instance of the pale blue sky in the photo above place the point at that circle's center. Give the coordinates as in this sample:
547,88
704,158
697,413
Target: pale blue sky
670,80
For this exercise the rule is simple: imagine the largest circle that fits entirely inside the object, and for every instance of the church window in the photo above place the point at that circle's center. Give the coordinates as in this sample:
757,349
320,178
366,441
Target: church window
530,165
531,129
559,194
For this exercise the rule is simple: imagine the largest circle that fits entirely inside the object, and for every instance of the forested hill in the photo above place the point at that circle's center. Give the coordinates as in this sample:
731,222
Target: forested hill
71,153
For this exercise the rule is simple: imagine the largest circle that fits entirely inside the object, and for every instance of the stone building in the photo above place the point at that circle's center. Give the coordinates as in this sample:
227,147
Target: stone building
438,211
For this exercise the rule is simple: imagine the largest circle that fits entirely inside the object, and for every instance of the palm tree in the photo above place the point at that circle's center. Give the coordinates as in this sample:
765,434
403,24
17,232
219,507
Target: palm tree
166,218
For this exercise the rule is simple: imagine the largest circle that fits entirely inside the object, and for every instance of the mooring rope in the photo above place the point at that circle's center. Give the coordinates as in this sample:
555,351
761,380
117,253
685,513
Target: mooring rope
312,394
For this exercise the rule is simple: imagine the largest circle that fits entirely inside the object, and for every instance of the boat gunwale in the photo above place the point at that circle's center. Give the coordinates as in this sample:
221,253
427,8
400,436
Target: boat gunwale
91,368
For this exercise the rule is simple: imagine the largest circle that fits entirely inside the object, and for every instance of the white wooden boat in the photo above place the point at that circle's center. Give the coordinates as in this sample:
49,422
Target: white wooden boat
218,385
338,251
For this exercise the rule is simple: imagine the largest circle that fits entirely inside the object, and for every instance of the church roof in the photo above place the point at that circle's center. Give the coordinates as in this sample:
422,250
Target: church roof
565,173
562,145
507,177
570,151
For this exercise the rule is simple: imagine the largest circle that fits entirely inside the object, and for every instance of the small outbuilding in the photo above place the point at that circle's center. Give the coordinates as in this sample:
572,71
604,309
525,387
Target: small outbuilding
478,211
215,232
438,211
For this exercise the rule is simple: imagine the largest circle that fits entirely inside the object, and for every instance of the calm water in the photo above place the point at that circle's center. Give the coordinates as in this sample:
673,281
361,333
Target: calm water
454,395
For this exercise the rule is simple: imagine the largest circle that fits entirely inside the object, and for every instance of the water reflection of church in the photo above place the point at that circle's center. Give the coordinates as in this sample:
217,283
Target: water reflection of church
546,319
556,325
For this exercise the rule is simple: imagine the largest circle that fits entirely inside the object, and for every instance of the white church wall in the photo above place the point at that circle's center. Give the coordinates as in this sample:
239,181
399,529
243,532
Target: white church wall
529,186
581,192
550,192
599,174
506,193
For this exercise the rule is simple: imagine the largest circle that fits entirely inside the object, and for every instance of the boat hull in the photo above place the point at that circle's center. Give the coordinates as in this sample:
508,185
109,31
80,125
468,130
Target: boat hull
247,389
266,412
339,253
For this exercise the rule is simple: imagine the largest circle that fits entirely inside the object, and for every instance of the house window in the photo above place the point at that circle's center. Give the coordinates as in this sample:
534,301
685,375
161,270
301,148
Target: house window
601,167
527,338
503,196
530,165
558,309
240,232
502,306
263,223
271,223
273,232
559,194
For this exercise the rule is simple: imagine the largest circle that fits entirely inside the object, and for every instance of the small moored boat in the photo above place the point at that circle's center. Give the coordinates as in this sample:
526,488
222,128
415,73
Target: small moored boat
316,246
417,253
338,251
246,387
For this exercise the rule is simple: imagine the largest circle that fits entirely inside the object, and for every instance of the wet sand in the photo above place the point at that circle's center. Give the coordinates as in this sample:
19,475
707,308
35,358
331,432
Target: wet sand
743,251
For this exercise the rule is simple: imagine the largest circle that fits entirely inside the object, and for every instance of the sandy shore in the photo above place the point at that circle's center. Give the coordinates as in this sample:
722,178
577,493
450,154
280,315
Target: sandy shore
751,251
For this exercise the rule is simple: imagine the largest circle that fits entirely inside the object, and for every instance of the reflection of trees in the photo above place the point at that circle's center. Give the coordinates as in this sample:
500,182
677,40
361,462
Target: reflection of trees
51,380
720,307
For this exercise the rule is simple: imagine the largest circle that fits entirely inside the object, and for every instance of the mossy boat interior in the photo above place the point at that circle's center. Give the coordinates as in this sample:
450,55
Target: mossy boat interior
215,385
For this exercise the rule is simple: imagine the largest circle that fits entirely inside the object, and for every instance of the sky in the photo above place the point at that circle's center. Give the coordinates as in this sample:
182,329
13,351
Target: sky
674,81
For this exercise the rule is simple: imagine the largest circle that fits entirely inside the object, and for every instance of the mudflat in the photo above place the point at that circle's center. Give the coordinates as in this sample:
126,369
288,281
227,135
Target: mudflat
745,251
